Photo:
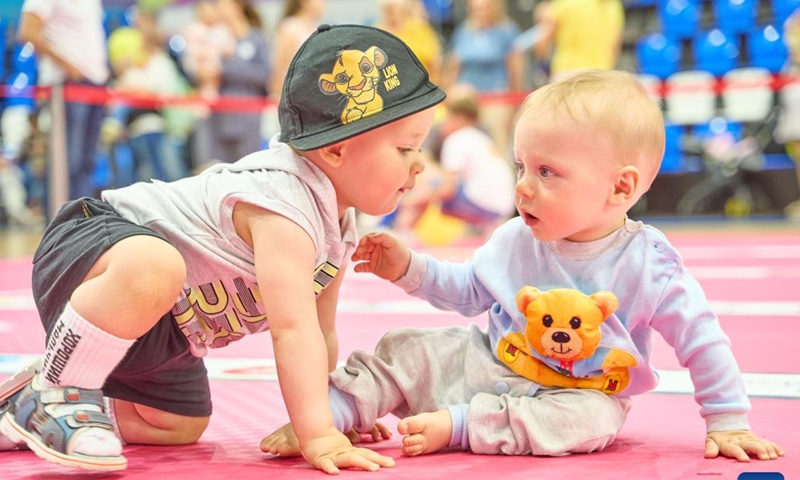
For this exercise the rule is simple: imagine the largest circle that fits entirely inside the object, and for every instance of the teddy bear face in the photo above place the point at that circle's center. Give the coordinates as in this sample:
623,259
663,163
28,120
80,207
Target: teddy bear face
564,323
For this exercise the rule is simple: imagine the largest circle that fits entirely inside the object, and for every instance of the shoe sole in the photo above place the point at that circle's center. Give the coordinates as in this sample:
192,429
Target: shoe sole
17,434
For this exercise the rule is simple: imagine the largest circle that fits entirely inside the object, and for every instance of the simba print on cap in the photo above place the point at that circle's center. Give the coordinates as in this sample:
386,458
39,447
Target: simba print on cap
346,80
356,75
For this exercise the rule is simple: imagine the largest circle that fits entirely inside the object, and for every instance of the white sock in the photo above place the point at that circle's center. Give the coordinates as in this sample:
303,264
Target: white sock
79,354
111,411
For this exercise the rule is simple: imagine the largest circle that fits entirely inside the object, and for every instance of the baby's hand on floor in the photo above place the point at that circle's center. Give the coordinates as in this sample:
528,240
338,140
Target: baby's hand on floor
282,442
741,444
332,451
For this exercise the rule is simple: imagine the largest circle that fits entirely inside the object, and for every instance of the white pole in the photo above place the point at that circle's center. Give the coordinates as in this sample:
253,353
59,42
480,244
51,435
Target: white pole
58,181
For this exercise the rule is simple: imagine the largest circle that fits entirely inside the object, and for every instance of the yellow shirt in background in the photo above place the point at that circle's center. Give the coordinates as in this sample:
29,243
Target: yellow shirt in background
422,39
587,35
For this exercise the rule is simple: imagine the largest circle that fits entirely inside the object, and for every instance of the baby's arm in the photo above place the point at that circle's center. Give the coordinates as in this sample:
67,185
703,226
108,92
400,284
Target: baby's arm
283,441
687,323
284,258
326,311
445,285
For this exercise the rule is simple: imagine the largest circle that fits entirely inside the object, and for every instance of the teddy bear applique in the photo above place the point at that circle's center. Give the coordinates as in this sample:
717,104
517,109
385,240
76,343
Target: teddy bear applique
564,324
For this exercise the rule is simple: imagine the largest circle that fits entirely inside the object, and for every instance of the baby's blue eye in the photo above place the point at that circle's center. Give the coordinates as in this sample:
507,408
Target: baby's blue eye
545,172
520,168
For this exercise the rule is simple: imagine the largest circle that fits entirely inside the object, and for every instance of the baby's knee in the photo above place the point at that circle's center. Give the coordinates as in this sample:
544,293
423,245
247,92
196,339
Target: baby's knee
158,280
189,431
146,425
597,420
149,270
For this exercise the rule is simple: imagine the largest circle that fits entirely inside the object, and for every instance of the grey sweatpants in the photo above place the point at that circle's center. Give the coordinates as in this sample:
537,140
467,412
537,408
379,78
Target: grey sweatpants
424,370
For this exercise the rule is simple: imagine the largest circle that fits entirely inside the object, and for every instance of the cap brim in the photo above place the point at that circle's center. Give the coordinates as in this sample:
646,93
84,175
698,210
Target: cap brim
343,132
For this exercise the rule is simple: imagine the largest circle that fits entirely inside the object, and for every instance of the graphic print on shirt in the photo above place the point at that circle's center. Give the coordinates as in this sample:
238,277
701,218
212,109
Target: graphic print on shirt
562,334
220,312
356,75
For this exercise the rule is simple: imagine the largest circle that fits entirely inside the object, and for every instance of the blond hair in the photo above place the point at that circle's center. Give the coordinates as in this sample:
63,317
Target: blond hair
613,103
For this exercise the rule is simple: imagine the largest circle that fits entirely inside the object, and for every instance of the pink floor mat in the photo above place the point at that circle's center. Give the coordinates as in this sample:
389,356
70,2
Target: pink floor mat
752,281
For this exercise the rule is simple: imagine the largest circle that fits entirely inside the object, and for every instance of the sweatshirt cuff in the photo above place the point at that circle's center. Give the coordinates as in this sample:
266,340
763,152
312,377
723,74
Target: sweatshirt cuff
415,276
459,436
720,422
343,408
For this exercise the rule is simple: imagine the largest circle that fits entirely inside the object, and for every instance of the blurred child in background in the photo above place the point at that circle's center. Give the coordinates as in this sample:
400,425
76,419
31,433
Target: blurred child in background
477,182
208,40
146,72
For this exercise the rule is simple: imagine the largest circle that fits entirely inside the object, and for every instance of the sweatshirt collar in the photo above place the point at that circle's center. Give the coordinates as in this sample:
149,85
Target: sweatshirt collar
595,249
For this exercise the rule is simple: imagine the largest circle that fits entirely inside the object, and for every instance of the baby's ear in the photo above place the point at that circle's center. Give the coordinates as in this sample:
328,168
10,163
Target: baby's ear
606,301
626,185
333,154
525,296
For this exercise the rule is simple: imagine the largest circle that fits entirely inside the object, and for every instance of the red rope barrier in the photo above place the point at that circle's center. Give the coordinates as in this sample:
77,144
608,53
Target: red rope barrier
94,95
101,96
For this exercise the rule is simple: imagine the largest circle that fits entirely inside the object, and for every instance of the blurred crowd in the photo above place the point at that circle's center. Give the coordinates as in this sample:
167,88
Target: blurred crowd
483,59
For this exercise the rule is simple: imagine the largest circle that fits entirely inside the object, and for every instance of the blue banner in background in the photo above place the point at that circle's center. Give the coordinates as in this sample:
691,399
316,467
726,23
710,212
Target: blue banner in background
761,476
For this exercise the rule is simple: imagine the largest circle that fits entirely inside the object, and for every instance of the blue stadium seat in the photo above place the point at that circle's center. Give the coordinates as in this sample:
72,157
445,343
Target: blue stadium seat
735,16
781,9
658,55
439,10
3,49
718,126
115,17
128,18
109,22
21,90
679,18
715,52
673,156
767,49
24,59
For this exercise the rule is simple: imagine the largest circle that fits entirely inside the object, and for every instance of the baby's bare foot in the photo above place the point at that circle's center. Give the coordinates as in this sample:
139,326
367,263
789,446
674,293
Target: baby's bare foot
282,442
426,432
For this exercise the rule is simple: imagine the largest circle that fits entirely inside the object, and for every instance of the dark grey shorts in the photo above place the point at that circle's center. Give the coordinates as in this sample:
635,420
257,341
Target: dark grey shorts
158,371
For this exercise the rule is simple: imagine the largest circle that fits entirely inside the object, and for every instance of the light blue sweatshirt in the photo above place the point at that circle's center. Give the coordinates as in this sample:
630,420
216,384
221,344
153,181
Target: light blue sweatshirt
655,290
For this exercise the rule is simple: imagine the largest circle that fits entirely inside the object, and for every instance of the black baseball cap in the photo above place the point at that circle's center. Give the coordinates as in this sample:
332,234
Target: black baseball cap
349,79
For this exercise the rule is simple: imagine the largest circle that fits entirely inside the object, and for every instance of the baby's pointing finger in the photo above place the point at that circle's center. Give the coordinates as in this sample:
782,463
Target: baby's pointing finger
375,239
